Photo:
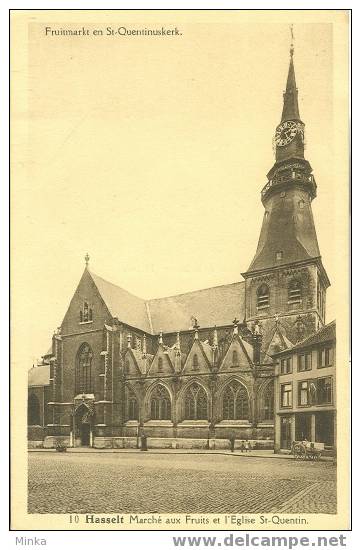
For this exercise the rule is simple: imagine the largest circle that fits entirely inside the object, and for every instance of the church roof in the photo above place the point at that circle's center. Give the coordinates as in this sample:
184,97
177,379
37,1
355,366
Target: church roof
39,376
211,306
122,304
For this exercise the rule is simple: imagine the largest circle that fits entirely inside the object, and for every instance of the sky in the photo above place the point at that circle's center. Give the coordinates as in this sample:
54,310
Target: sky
150,153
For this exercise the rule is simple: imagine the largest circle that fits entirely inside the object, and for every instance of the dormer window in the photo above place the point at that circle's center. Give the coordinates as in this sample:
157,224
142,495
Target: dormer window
86,313
263,296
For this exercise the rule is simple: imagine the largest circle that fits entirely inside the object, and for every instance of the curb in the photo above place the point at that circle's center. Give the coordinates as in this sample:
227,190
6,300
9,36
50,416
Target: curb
161,452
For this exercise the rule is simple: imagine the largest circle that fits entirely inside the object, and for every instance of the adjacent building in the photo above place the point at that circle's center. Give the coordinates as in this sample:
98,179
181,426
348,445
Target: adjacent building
305,396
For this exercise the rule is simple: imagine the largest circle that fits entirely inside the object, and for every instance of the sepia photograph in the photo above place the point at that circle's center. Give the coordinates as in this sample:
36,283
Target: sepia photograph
180,269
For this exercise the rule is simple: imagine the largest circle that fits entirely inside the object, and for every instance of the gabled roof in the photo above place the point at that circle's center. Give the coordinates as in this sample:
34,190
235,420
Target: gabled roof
326,334
122,304
39,376
277,335
211,306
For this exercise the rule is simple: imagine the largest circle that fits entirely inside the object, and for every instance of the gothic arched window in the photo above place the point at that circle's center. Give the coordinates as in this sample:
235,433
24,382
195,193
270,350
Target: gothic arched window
195,403
263,296
294,292
83,378
235,402
195,363
160,408
33,410
132,405
267,403
160,364
234,358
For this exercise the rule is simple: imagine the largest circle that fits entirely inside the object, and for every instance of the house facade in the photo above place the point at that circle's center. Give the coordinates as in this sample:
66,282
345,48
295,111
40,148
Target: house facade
305,391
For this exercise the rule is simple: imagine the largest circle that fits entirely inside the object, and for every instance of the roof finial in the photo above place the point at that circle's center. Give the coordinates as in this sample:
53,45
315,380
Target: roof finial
292,47
86,258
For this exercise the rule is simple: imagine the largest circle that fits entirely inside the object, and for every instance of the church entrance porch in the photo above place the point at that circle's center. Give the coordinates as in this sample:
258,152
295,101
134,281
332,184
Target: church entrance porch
82,433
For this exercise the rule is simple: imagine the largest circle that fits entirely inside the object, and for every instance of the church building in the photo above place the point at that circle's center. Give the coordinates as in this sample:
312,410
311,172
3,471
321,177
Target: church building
198,369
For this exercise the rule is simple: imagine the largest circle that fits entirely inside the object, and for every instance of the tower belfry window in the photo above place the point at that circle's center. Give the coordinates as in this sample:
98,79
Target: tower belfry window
279,255
263,296
294,292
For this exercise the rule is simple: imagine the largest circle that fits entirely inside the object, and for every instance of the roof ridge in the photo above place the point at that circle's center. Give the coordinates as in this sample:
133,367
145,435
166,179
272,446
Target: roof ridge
92,274
146,300
194,291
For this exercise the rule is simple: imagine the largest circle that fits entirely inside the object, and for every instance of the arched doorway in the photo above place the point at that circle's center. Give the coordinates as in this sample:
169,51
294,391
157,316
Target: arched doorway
83,433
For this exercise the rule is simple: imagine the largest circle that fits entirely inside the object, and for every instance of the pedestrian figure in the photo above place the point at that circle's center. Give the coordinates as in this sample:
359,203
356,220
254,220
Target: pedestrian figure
246,446
143,442
232,440
242,447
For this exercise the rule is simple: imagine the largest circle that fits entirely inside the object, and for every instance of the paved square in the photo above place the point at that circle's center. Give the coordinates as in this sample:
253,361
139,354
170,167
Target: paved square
177,483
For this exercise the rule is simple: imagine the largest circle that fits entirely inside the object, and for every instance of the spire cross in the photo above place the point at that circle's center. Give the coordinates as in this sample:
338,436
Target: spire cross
86,258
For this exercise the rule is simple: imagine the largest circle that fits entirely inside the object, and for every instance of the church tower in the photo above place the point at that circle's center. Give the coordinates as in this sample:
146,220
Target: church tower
286,280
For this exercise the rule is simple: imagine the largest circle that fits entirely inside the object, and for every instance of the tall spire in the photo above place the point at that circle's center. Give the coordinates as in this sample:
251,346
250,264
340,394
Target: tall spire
290,99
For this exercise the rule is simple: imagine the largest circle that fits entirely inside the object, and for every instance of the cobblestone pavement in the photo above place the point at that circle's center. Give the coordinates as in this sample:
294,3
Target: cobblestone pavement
166,483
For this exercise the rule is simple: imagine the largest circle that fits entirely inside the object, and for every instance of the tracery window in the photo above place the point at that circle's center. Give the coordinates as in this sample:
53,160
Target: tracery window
195,403
33,410
235,402
83,378
263,296
160,407
268,403
133,408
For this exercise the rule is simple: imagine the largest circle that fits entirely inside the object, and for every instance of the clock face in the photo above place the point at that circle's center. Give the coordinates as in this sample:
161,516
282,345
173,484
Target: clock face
287,131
